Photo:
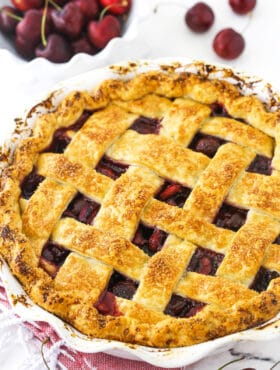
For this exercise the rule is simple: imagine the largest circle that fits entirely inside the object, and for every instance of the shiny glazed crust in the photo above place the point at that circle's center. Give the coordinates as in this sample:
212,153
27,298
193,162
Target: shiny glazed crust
182,100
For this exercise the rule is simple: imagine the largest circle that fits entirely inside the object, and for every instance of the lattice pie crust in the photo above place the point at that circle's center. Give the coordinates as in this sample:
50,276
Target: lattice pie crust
148,211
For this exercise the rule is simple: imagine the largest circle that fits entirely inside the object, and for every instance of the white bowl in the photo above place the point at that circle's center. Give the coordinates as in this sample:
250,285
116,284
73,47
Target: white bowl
139,9
168,358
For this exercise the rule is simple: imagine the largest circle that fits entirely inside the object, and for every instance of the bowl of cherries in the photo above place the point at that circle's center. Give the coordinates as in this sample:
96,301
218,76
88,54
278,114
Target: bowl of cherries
58,29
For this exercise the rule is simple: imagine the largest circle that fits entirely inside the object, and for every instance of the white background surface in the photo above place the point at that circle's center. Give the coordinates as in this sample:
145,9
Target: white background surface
159,34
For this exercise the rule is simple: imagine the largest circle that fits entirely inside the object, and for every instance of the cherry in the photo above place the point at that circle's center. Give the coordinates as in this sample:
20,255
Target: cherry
27,4
68,21
82,45
200,17
29,28
24,47
90,8
101,32
57,49
8,23
228,44
117,7
242,6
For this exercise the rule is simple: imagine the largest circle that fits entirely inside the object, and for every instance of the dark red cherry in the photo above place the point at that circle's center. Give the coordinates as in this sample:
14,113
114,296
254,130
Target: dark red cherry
90,8
200,17
242,6
7,22
117,7
57,49
82,45
208,145
29,28
228,44
69,21
124,289
24,5
101,32
24,48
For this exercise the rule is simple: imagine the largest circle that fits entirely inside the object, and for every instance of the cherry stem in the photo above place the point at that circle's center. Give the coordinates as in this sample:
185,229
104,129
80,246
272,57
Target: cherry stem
43,24
42,352
104,11
55,5
14,16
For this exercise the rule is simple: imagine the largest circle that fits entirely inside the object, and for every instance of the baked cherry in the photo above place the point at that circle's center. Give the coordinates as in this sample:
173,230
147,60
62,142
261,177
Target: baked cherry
90,8
57,49
117,7
82,45
146,125
228,44
183,307
200,17
242,6
9,18
30,183
230,217
263,278
69,20
29,28
101,32
205,261
261,165
24,5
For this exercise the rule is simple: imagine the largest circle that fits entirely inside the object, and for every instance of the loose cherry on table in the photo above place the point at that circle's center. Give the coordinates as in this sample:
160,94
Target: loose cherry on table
242,6
228,44
200,17
101,32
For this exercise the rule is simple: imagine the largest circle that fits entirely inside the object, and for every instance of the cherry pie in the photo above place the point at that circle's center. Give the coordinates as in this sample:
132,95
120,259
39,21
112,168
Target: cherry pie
148,211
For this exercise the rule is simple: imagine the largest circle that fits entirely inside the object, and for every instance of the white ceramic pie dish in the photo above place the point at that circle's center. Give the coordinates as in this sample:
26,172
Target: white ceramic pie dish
160,357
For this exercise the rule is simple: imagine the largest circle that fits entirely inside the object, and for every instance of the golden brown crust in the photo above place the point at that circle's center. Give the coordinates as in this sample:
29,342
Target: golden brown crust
181,103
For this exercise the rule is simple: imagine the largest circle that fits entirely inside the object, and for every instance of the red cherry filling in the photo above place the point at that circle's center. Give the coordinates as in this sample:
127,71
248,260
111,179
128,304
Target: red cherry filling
149,239
205,261
261,165
30,183
230,217
121,286
111,168
82,209
218,110
183,307
173,194
206,144
263,278
277,240
145,125
60,137
52,257
107,305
